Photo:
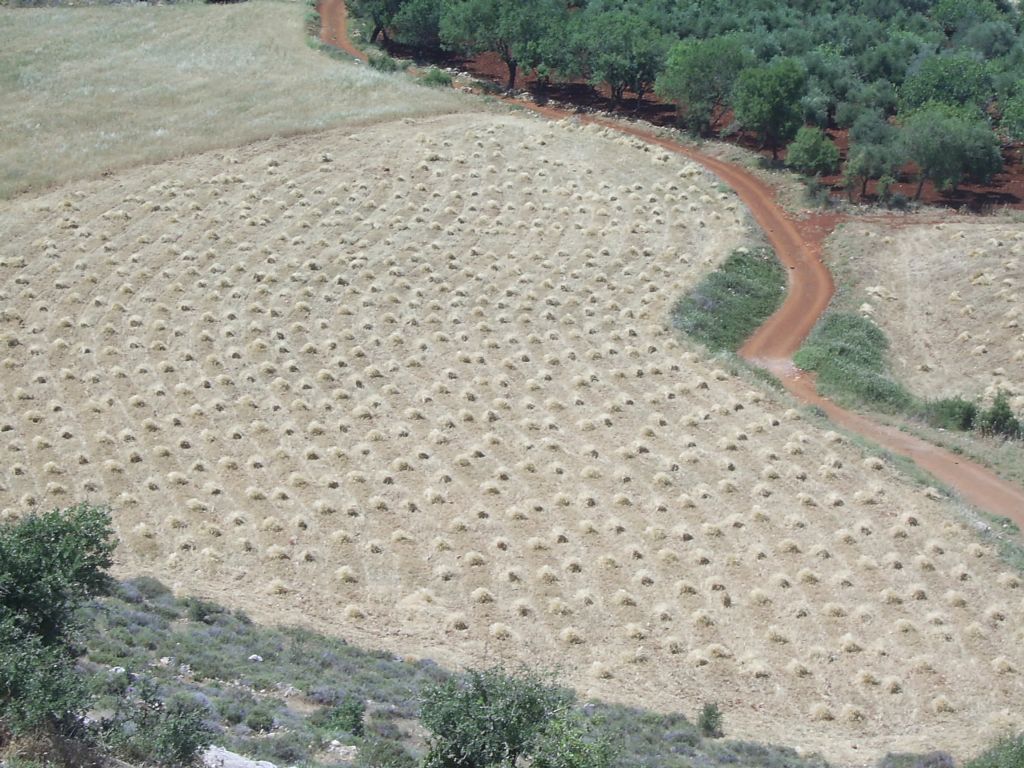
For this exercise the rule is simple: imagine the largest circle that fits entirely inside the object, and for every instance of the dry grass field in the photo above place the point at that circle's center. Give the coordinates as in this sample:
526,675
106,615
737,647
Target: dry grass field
87,90
415,384
950,297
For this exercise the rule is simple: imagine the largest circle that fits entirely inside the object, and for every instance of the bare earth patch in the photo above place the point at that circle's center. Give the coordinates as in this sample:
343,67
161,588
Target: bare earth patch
415,385
950,297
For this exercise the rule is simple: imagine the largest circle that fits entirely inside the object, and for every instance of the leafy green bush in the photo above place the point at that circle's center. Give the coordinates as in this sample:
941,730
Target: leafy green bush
260,719
727,305
49,565
999,419
384,63
346,717
710,721
488,717
812,152
383,753
436,78
950,413
566,742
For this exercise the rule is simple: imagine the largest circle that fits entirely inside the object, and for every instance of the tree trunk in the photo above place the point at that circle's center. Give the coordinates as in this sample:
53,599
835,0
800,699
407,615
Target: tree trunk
639,99
377,29
920,187
512,65
864,188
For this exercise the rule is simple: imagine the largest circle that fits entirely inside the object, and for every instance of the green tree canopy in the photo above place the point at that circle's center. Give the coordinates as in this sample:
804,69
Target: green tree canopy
513,30
418,23
380,13
874,150
767,100
959,80
950,145
1012,123
624,50
699,75
812,152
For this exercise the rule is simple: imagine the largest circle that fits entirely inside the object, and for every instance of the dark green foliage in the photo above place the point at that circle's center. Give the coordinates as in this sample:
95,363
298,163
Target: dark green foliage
950,413
956,15
812,152
960,80
767,101
436,78
515,31
566,742
949,145
1012,123
700,74
418,24
727,305
488,717
260,719
623,50
848,352
39,686
710,721
874,150
1008,753
384,63
999,419
380,13
346,717
49,565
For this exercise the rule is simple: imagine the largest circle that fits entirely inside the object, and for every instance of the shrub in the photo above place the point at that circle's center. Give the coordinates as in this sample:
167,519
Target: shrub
999,419
437,78
49,565
384,63
812,152
260,719
346,717
488,717
710,721
565,742
951,413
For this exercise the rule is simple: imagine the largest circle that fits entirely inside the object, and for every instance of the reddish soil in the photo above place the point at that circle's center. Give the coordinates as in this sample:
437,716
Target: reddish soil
798,243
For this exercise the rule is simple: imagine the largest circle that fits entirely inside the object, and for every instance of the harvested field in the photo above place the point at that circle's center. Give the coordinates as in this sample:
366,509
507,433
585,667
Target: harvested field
416,385
88,90
949,297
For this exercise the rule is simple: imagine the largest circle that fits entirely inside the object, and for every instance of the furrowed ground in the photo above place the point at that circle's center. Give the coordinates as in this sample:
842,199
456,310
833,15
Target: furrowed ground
416,385
87,90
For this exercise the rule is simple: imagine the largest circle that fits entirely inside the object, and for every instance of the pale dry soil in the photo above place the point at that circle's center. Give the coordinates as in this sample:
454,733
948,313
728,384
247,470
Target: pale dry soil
415,385
88,90
950,297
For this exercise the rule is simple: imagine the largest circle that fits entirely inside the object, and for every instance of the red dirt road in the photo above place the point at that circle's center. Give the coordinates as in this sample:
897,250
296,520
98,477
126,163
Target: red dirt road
799,245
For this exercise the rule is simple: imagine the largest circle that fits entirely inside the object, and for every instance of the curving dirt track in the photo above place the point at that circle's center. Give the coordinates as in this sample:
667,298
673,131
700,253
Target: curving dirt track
798,244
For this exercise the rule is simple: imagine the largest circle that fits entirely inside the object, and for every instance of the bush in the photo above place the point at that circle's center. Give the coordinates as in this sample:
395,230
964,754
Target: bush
49,565
999,419
951,413
437,78
260,719
710,721
488,717
346,717
384,63
812,152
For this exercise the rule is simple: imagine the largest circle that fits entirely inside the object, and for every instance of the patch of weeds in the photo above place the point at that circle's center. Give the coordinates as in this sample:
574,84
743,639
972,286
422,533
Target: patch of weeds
710,721
436,78
848,353
1008,753
384,63
729,304
379,753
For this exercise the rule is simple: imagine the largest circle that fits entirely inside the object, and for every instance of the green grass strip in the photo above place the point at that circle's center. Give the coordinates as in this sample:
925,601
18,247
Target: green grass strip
848,353
730,303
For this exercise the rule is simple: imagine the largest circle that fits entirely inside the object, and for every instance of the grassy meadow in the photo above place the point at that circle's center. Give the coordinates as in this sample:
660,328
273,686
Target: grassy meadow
88,90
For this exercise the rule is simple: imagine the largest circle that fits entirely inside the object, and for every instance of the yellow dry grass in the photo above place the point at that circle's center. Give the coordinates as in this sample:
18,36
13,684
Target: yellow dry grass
86,90
950,297
414,384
